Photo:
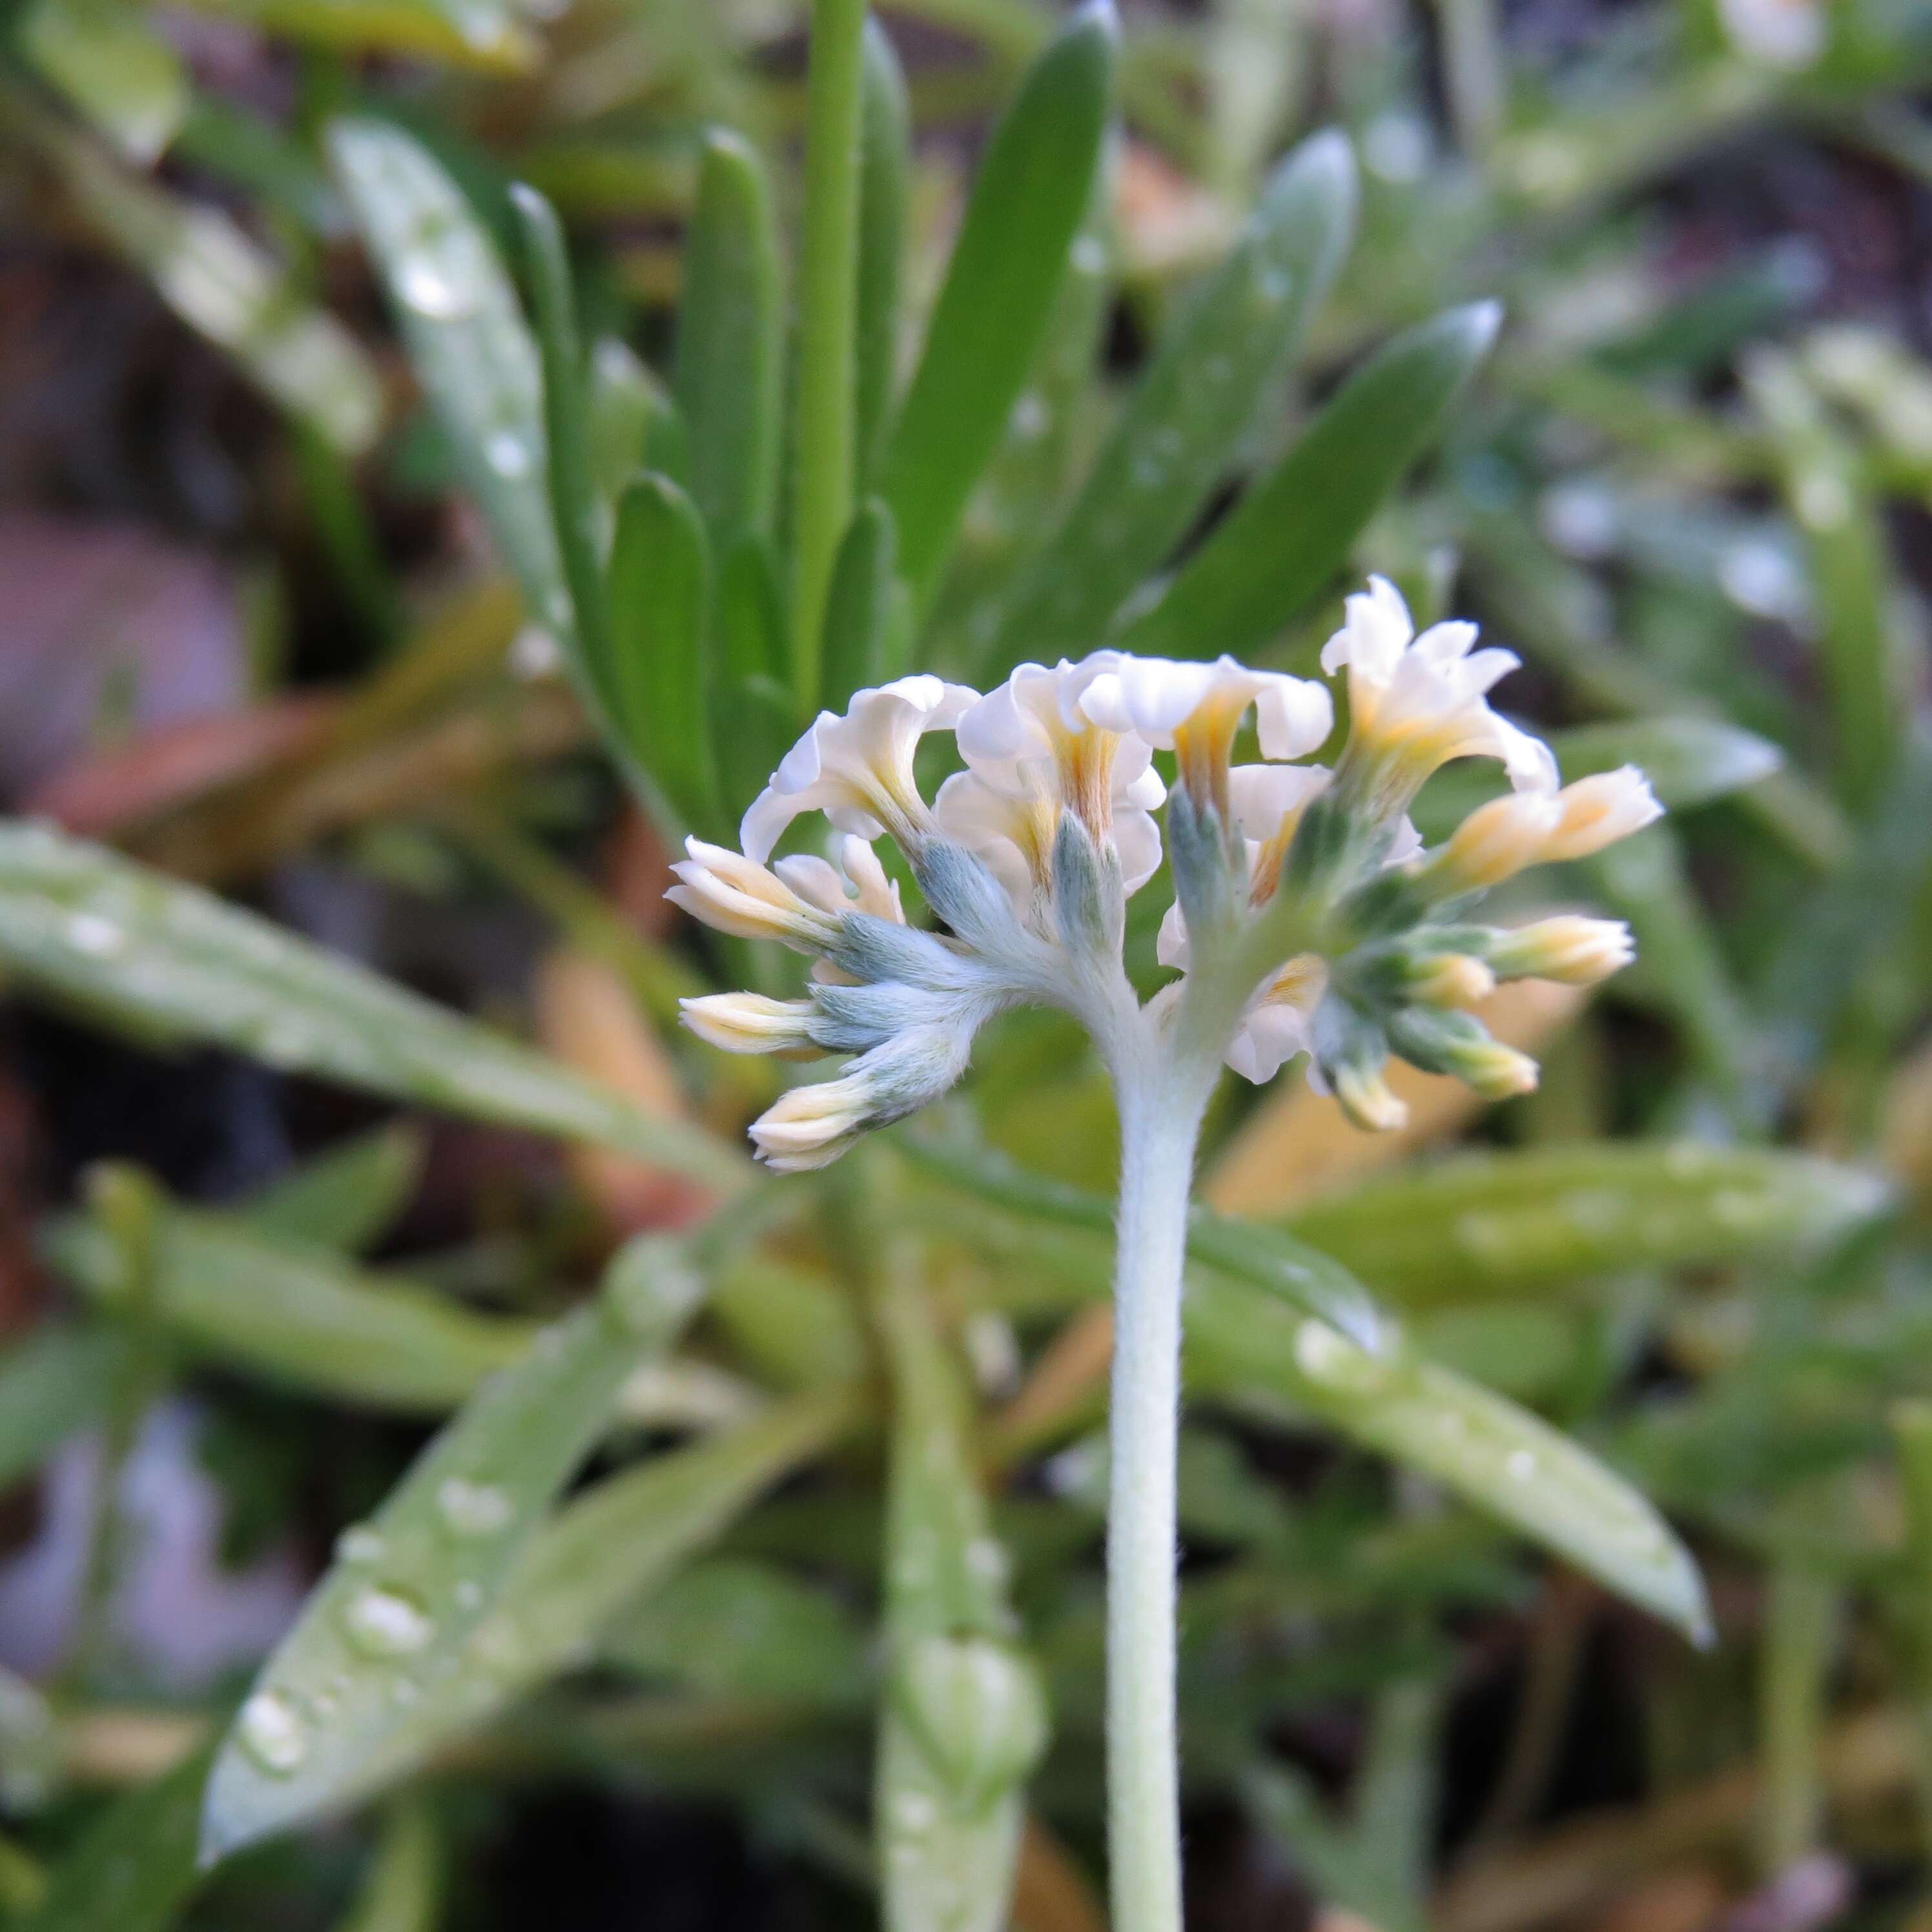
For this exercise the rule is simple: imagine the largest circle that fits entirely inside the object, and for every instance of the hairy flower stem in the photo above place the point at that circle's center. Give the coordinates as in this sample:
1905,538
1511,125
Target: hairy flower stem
1161,1105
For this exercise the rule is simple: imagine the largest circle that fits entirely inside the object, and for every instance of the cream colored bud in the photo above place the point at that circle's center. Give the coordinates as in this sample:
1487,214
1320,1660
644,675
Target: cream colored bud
1496,1071
1495,842
811,1126
750,1023
738,896
1577,951
1598,811
1452,979
1369,1100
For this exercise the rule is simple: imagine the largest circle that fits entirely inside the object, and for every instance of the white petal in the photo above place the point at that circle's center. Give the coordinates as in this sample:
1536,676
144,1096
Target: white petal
1270,1035
1170,947
1262,796
1293,716
1375,633
1137,839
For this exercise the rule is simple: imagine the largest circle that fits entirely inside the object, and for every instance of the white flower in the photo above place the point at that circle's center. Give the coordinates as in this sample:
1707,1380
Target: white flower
1416,703
857,770
1032,753
738,896
1788,34
1194,710
1499,839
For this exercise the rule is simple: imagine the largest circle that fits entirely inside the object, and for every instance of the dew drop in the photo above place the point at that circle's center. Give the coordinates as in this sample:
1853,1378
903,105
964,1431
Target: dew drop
508,454
1272,285
272,1734
1089,256
88,932
421,285
474,1509
468,1595
385,1623
1520,1464
1030,416
358,1543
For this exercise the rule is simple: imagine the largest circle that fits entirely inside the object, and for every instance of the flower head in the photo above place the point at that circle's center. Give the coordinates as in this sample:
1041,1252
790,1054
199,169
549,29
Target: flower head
740,896
857,770
1415,703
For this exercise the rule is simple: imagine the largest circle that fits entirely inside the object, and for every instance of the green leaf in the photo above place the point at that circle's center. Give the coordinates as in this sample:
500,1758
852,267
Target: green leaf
1006,273
81,925
332,1708
754,724
735,1628
751,617
1292,530
490,34
1177,434
634,425
134,1869
569,473
467,340
1495,1225
112,64
858,607
1243,1341
292,1312
221,284
603,1552
53,1384
1263,1256
731,337
885,170
964,1720
345,1198
660,671
403,1891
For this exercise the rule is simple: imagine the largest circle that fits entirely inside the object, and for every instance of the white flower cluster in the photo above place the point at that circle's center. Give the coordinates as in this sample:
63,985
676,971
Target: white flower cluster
1307,917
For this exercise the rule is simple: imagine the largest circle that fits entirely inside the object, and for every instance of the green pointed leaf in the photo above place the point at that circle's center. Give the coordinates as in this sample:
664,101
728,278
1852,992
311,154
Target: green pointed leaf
885,172
1175,438
331,1709
1293,530
569,473
751,616
291,1311
112,64
53,1384
1261,1256
859,606
634,425
754,724
1006,269
81,925
602,1552
403,1891
223,286
964,1720
466,338
1495,1225
1242,1340
730,341
660,671
135,1869
343,1199
493,35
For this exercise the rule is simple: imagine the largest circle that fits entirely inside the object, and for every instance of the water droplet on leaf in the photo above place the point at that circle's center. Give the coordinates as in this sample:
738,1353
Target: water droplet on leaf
383,1622
272,1733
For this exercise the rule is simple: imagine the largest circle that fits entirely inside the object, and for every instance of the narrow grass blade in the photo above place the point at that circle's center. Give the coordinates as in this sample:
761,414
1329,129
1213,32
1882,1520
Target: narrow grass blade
54,1383
404,1891
885,173
492,35
730,342
1007,267
137,948
1178,432
343,1199
1499,1224
467,340
1292,531
858,607
112,64
964,1720
389,1622
660,671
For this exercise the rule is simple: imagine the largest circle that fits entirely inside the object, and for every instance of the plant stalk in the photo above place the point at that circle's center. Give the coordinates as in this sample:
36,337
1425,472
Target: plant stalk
1160,1119
827,395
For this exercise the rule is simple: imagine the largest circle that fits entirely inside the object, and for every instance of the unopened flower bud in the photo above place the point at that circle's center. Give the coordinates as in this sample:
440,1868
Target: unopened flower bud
1578,952
1451,980
738,896
811,1126
1368,1100
750,1023
1455,1044
1494,843
1598,811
